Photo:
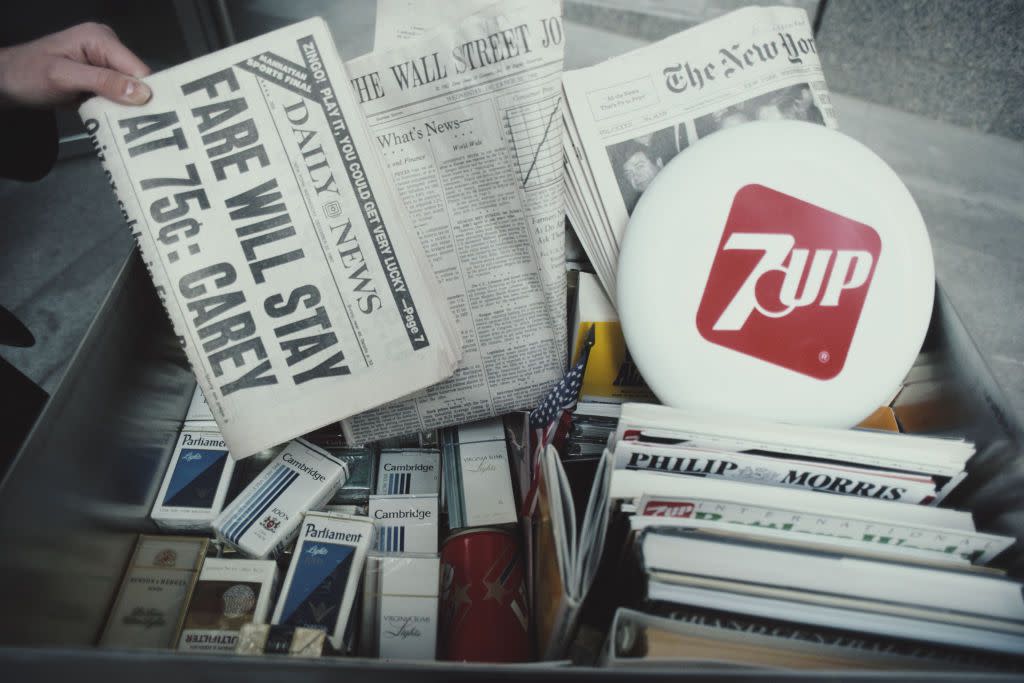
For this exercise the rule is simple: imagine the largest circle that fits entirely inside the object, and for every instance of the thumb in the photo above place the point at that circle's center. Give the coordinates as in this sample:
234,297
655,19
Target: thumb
73,77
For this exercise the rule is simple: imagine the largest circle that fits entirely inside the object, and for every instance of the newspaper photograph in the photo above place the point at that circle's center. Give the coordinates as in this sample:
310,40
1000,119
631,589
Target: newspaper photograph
467,117
627,117
274,237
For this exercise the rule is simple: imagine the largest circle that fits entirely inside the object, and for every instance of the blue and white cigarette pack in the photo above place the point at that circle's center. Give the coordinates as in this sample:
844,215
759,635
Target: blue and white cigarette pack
265,517
196,483
409,471
405,524
320,587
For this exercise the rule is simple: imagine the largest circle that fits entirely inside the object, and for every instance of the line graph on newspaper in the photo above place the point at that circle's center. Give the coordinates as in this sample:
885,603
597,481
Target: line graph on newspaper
533,128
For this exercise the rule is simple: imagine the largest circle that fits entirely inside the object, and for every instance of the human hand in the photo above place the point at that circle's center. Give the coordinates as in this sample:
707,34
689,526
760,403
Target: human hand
58,68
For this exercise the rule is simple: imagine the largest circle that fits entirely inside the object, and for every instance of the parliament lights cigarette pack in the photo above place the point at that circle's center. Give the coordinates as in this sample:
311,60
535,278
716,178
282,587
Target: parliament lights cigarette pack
400,600
409,472
405,524
230,593
150,605
265,517
196,483
320,587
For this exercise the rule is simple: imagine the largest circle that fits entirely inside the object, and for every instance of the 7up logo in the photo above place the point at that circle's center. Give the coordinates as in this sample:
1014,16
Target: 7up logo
788,283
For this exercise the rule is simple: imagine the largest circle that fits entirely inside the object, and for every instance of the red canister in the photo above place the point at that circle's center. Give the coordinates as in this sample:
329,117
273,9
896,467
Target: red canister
484,615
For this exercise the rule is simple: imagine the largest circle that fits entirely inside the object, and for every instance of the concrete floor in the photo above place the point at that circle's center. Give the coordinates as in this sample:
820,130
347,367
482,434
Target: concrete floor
62,240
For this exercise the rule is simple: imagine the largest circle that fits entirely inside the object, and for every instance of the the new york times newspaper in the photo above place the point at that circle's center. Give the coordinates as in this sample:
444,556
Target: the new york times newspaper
467,117
274,237
629,116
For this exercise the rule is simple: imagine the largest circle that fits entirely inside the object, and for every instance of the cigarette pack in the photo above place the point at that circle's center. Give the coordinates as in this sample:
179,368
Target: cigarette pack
405,524
230,593
477,477
409,471
361,468
196,483
400,599
291,641
265,517
320,587
199,415
483,430
150,605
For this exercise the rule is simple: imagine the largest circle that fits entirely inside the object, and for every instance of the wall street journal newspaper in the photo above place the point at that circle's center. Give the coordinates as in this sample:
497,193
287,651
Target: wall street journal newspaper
629,116
467,117
274,237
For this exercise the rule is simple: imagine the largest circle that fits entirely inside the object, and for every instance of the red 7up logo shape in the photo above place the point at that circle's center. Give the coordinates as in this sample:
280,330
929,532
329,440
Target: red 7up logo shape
788,282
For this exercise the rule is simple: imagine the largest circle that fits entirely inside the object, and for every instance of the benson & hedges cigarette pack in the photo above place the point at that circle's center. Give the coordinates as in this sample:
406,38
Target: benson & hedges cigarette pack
149,607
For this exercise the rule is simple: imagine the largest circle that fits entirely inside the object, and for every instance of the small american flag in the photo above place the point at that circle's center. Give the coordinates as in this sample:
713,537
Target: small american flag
549,422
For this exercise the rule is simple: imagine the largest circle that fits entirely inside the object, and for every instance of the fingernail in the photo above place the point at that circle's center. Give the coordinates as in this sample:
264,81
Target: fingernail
137,92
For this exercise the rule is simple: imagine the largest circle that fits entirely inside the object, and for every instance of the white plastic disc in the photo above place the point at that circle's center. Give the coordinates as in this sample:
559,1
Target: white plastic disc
778,270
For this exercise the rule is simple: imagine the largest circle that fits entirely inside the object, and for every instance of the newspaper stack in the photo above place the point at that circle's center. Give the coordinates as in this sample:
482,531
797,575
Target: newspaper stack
275,237
728,527
629,116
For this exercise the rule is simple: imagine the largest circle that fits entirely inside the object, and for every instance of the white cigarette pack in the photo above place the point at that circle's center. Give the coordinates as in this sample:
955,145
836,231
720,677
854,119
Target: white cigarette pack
230,593
400,600
320,587
199,415
265,517
405,524
486,483
196,483
409,472
492,429
477,477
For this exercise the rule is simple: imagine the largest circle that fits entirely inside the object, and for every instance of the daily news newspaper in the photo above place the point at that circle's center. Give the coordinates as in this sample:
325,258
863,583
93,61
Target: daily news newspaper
274,237
627,117
468,118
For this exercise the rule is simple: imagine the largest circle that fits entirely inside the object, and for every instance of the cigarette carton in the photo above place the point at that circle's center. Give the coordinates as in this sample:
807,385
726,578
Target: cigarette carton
320,587
265,517
196,483
230,593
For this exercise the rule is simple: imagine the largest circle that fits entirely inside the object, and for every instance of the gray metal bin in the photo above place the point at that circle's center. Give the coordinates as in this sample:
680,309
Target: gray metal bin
81,488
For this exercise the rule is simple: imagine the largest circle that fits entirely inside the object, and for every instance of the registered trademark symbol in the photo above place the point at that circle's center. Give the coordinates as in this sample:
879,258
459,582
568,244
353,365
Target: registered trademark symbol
824,357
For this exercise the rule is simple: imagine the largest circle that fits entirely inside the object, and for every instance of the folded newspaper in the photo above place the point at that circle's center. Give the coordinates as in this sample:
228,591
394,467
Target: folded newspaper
275,237
627,117
466,115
